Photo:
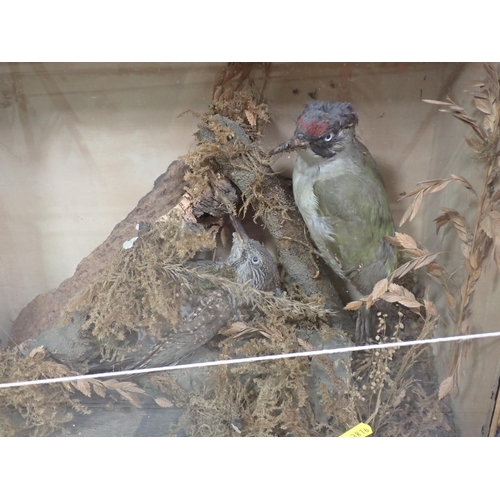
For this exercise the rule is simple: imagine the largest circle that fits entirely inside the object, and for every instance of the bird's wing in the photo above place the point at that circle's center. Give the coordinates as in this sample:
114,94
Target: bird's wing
355,203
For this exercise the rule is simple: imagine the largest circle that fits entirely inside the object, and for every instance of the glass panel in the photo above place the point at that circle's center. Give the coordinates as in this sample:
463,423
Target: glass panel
324,223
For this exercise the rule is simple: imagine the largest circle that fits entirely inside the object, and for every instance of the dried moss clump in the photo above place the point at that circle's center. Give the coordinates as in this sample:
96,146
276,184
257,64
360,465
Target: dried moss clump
289,397
34,410
141,287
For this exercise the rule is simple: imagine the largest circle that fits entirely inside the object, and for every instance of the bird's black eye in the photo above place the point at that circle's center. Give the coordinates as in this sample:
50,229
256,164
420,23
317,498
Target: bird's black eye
255,259
328,137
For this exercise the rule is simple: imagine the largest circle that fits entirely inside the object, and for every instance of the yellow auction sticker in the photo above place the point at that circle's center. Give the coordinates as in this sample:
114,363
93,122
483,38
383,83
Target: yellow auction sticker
359,431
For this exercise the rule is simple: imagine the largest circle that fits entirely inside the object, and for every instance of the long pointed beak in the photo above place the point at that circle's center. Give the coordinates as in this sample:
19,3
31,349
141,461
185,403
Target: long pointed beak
240,232
290,145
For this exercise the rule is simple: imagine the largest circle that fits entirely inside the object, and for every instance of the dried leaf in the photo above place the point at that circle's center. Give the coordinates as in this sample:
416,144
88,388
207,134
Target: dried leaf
128,390
459,223
235,328
425,260
130,397
379,289
483,105
416,263
435,185
481,95
263,332
448,386
451,300
441,221
304,344
251,117
428,187
391,297
414,305
464,182
430,308
473,262
68,387
164,402
439,103
354,305
395,288
37,350
392,240
412,209
478,129
465,327
489,123
126,386
400,294
83,386
99,388
406,241
490,224
403,240
434,269
467,119
465,247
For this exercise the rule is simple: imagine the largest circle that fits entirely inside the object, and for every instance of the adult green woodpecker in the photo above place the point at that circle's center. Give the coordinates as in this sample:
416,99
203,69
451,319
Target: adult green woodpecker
341,196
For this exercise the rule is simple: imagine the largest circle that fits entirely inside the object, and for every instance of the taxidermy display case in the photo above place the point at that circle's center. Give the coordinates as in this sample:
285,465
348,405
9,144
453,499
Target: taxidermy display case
152,234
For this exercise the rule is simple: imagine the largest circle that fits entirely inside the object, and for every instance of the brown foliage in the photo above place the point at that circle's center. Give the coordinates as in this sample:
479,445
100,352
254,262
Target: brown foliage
484,231
39,410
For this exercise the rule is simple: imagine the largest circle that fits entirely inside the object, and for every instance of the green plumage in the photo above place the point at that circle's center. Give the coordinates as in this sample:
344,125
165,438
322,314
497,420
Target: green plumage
355,203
